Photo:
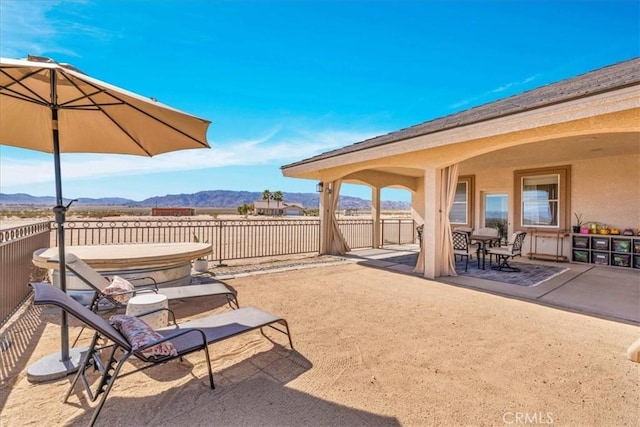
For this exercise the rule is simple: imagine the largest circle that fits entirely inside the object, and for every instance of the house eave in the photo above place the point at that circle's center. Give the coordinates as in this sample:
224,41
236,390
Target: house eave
619,81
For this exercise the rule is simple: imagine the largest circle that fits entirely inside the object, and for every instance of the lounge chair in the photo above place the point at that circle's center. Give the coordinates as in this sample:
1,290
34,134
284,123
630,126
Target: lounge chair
187,337
97,282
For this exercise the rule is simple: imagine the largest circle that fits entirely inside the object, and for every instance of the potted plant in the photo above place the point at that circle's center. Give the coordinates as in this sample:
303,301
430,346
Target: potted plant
201,264
576,228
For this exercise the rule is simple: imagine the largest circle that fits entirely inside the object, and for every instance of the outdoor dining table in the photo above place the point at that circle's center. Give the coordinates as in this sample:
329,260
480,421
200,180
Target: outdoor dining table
484,241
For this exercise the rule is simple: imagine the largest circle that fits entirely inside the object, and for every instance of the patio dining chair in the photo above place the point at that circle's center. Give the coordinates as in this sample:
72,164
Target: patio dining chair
462,247
112,346
505,253
467,230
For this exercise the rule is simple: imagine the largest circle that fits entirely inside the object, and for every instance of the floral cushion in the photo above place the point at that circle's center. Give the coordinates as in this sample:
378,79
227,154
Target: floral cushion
120,290
139,334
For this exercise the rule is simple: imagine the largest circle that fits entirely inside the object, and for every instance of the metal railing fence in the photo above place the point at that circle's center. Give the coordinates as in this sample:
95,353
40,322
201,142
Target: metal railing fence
357,232
17,245
398,231
235,239
230,240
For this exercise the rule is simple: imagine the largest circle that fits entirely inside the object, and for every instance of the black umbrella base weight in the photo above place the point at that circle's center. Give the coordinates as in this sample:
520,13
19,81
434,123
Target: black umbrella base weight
51,367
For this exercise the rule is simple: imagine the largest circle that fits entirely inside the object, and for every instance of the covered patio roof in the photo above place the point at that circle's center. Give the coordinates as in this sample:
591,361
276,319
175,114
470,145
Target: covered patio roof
607,90
575,122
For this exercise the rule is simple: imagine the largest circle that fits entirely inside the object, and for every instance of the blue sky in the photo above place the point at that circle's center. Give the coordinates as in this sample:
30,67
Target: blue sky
283,81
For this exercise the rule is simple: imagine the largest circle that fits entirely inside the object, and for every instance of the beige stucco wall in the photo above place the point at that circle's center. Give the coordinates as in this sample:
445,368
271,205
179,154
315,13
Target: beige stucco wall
606,190
417,204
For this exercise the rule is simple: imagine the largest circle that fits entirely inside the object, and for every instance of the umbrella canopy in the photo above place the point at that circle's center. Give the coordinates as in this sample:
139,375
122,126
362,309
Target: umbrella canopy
93,116
55,108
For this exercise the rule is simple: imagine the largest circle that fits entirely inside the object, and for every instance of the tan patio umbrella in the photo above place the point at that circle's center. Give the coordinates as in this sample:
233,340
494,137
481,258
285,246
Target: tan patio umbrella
55,108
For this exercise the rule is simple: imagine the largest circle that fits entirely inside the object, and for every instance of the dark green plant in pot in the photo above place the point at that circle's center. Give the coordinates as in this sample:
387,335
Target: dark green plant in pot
576,228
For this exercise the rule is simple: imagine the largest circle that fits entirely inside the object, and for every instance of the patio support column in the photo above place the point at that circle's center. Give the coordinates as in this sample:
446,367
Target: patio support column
325,220
431,235
375,214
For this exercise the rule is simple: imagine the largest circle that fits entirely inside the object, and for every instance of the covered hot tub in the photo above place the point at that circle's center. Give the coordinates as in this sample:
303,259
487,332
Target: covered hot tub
169,264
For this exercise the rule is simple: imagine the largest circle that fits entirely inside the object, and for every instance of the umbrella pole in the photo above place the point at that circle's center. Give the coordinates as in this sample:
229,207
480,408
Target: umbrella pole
57,365
60,213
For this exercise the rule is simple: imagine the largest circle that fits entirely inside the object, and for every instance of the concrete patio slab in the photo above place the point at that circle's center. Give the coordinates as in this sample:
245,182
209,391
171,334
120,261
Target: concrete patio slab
607,292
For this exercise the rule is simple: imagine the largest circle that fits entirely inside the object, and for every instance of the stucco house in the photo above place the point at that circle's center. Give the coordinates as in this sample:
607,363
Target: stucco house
532,161
260,207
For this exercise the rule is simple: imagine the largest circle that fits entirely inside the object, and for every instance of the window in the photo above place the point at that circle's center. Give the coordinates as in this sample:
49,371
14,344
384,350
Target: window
496,212
461,209
542,198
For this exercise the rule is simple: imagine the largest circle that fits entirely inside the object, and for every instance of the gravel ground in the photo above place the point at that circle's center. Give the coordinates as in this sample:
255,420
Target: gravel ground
234,268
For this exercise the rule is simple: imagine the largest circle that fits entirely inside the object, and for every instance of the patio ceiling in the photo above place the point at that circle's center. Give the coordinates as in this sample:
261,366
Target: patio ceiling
562,150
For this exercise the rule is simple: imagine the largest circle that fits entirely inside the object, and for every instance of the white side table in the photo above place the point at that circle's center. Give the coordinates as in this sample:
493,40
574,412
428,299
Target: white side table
147,302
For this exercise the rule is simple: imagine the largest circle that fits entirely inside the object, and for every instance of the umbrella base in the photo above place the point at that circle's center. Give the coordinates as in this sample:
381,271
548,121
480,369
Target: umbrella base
51,368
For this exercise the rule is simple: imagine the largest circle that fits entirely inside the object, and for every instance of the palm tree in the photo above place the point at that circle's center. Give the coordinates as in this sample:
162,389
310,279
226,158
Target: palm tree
278,197
266,195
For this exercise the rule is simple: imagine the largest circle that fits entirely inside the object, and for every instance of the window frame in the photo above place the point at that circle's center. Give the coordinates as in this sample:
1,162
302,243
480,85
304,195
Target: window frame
483,209
470,181
564,196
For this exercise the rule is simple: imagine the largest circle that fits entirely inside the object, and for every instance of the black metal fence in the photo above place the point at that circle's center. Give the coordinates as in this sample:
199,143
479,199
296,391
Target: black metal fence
16,252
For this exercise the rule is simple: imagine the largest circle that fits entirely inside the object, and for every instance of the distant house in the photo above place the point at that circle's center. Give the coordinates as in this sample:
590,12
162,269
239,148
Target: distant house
260,207
173,212
293,209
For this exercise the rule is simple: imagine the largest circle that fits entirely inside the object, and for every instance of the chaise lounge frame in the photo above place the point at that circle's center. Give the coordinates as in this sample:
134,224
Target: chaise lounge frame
187,337
97,282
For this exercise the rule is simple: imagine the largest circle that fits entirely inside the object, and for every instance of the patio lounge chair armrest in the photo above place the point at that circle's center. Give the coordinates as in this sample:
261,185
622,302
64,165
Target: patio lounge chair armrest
170,337
153,285
174,335
185,331
123,292
143,289
155,310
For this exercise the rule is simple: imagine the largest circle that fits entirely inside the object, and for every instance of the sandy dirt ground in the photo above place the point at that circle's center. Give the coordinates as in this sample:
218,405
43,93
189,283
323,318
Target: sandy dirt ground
372,348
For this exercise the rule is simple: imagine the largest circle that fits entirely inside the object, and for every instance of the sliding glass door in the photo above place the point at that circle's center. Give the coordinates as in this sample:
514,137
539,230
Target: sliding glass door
496,212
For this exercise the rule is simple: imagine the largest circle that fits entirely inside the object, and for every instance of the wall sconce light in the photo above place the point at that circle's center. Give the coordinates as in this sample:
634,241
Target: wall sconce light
320,187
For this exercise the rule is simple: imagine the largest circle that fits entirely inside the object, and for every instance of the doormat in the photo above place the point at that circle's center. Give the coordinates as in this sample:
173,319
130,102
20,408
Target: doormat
530,275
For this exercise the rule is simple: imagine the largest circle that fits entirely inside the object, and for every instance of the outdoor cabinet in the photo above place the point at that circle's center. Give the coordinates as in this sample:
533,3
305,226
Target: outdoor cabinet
614,250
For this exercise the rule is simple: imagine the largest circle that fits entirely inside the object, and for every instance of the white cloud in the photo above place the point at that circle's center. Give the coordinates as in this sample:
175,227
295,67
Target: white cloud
500,89
26,27
267,150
